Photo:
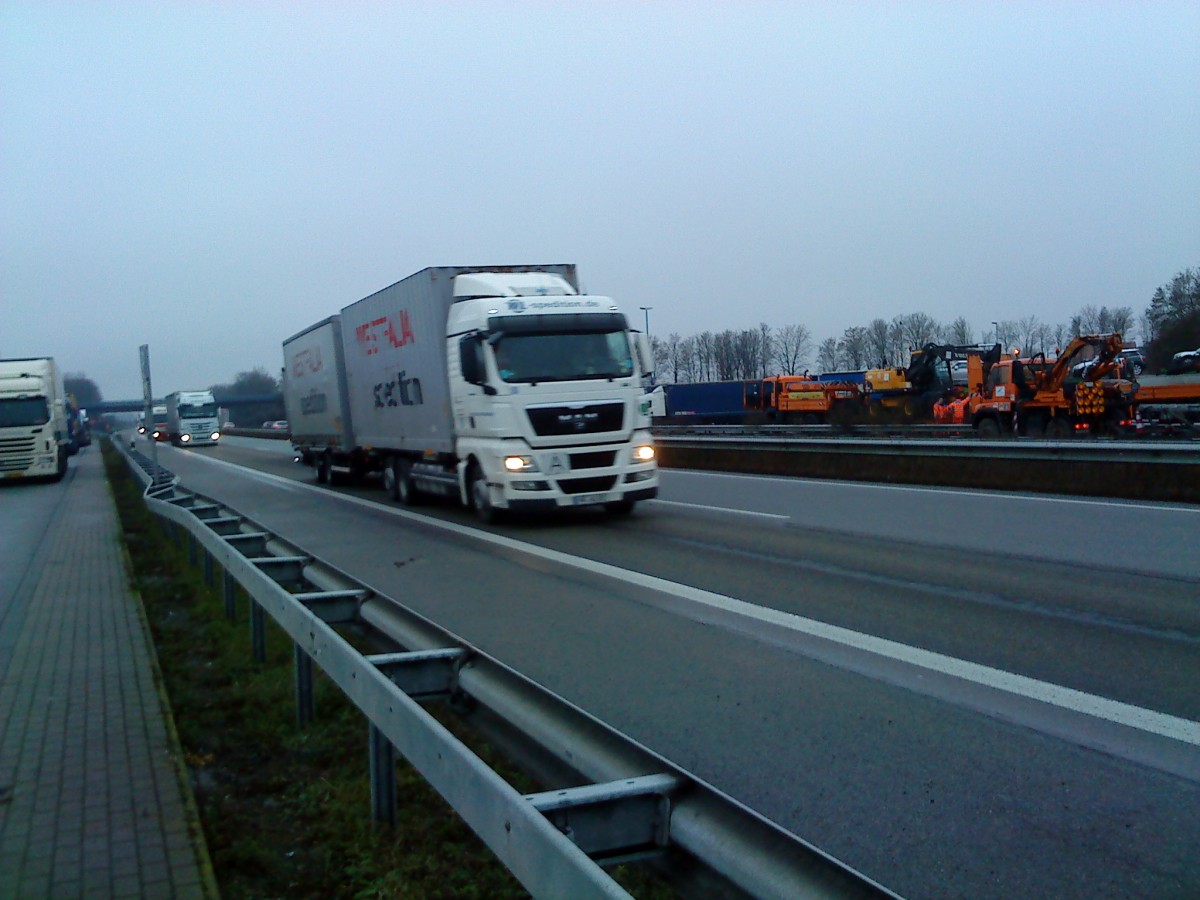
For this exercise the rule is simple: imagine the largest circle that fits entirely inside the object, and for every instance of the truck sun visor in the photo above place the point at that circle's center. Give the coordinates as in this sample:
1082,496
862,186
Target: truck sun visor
561,323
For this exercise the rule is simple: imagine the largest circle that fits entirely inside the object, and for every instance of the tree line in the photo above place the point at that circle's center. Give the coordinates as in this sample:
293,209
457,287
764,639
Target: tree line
1170,324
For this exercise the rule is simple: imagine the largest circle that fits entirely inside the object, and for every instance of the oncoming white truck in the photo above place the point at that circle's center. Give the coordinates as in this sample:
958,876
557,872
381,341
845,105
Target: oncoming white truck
192,418
501,386
33,420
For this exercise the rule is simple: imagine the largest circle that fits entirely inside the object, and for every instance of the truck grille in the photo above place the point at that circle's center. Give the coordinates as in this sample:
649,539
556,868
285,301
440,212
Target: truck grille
587,485
601,459
555,421
16,454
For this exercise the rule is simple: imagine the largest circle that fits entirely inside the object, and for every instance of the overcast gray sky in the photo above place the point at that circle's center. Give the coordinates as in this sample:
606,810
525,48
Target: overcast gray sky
210,178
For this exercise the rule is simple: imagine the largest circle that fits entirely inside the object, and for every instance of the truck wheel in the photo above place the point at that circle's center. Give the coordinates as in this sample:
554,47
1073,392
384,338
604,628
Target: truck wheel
1058,429
61,470
481,498
324,469
988,428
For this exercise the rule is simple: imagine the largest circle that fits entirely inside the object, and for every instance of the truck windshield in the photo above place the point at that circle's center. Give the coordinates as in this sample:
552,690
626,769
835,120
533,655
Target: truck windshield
197,411
24,411
563,356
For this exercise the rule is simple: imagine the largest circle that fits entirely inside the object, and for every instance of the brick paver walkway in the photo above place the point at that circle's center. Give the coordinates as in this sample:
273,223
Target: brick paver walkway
93,805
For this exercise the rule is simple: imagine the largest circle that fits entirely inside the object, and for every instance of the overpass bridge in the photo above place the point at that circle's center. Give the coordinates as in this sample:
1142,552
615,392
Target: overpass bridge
114,406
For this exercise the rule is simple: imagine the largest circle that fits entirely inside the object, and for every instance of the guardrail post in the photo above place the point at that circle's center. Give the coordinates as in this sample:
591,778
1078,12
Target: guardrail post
304,686
229,589
258,632
383,777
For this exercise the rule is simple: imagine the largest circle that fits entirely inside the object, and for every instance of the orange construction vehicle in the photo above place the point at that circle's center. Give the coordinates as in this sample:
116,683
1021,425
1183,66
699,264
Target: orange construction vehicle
1082,391
937,375
802,399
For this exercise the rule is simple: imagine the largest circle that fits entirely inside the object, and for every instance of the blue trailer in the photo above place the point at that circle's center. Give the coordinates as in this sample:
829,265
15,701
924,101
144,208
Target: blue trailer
705,403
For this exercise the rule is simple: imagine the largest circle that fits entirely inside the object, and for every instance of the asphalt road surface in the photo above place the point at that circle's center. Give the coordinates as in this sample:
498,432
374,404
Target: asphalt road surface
960,694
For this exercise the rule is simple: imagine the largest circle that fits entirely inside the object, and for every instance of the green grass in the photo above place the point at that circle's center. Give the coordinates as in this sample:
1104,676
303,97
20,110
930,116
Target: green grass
286,812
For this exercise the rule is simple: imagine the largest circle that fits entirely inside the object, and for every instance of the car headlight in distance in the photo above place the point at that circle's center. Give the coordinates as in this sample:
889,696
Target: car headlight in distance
184,438
520,464
644,453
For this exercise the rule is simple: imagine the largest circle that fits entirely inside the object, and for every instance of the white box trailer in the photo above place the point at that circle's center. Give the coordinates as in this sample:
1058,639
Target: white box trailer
191,418
502,385
33,419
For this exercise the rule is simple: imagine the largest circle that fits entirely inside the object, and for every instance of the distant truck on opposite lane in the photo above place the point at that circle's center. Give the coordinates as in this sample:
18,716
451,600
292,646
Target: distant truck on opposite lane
191,418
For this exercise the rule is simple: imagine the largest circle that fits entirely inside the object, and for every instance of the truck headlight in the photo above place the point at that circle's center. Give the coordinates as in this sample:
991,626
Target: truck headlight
216,436
184,438
644,453
520,464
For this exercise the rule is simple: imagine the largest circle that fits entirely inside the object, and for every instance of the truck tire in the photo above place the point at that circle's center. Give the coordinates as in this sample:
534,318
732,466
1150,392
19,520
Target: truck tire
1059,429
325,468
988,428
61,469
481,500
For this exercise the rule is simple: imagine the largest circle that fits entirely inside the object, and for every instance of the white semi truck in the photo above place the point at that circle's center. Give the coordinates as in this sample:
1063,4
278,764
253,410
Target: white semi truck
502,386
192,418
33,420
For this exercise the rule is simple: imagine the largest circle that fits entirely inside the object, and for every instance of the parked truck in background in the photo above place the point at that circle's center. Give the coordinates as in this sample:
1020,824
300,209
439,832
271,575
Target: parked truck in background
501,386
33,419
192,418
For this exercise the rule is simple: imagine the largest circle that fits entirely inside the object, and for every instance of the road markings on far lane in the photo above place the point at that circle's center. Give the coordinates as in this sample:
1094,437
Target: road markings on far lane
1128,715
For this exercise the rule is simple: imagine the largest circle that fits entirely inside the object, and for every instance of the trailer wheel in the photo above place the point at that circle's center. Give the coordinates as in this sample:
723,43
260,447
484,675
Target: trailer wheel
325,468
481,498
403,488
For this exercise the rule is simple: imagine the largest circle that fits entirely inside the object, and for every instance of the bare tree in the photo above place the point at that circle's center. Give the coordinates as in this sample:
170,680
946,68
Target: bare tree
792,346
1026,334
766,349
918,329
854,348
959,332
706,353
827,355
879,342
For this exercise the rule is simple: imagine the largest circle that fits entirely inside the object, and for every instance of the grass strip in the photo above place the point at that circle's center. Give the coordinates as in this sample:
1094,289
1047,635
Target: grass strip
286,811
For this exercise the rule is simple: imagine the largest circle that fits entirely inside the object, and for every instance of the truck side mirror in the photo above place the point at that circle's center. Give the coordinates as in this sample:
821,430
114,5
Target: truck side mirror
645,355
470,354
471,360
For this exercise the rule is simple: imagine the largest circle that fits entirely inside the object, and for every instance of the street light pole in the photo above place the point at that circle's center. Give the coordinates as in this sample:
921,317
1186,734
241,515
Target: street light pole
996,332
646,310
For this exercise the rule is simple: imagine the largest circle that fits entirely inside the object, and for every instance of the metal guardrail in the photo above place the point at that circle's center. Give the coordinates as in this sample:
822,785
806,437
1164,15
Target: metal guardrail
886,442
1135,470
633,802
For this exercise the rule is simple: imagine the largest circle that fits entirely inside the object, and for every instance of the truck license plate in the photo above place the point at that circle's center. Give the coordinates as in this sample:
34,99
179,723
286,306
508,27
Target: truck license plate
588,499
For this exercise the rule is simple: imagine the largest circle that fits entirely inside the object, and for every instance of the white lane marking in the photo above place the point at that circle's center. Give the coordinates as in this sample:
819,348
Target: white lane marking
1173,727
962,492
721,509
